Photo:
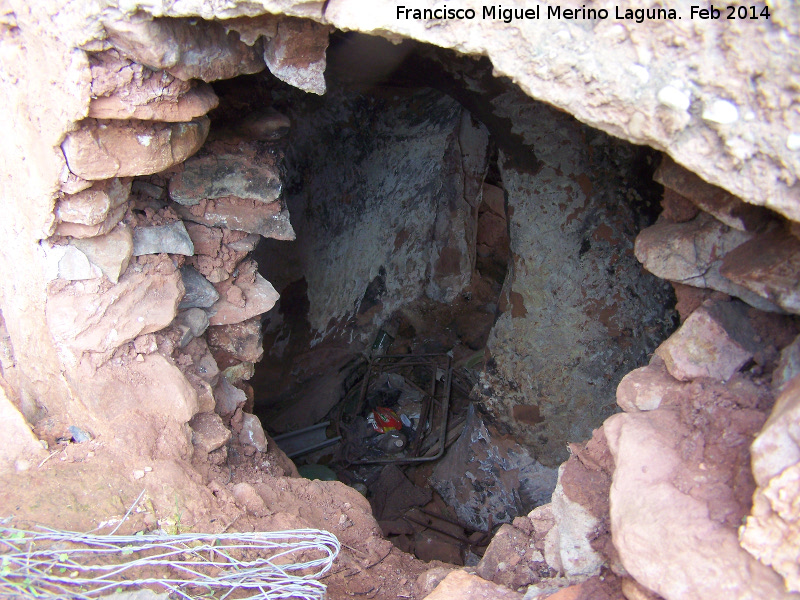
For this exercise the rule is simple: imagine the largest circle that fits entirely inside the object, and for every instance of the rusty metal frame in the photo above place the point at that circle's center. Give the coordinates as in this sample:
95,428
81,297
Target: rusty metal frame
388,363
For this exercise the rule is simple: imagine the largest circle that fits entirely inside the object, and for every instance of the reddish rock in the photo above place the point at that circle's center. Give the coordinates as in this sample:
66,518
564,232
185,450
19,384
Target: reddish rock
122,89
252,216
680,487
242,341
79,231
248,498
645,388
73,265
91,206
141,396
98,316
714,200
512,559
72,184
208,432
462,585
187,48
676,208
258,295
296,54
715,341
206,240
102,149
691,253
194,103
689,298
632,590
600,587
768,265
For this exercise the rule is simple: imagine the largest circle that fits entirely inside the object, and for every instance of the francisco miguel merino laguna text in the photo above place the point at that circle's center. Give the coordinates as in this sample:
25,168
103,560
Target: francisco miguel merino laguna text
508,15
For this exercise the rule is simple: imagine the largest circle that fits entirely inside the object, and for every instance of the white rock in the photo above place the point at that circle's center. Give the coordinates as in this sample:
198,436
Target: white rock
575,529
793,141
721,111
674,98
75,266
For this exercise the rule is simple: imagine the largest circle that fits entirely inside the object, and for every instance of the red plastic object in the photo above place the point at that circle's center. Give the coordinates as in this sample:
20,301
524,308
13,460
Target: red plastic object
385,419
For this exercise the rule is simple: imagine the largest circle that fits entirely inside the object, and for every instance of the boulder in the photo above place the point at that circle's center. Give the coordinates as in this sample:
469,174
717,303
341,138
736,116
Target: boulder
252,216
720,203
580,511
715,341
97,316
222,175
460,584
228,397
171,238
102,149
768,265
199,291
145,403
644,388
242,298
192,322
123,89
692,253
186,48
79,231
512,560
110,253
678,492
296,54
772,531
194,103
91,206
208,432
242,341
252,434
74,264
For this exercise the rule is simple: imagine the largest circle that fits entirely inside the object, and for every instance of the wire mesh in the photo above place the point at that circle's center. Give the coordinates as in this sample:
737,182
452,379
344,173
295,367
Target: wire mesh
267,565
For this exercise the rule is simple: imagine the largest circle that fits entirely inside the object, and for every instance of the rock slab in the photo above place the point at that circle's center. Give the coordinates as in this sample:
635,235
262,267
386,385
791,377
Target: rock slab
715,341
102,149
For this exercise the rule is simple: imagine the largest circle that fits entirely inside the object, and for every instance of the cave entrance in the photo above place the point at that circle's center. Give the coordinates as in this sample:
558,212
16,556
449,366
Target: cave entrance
443,215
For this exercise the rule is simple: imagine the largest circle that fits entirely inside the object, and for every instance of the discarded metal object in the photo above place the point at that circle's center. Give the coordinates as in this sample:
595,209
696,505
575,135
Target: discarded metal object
427,377
303,441
382,342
